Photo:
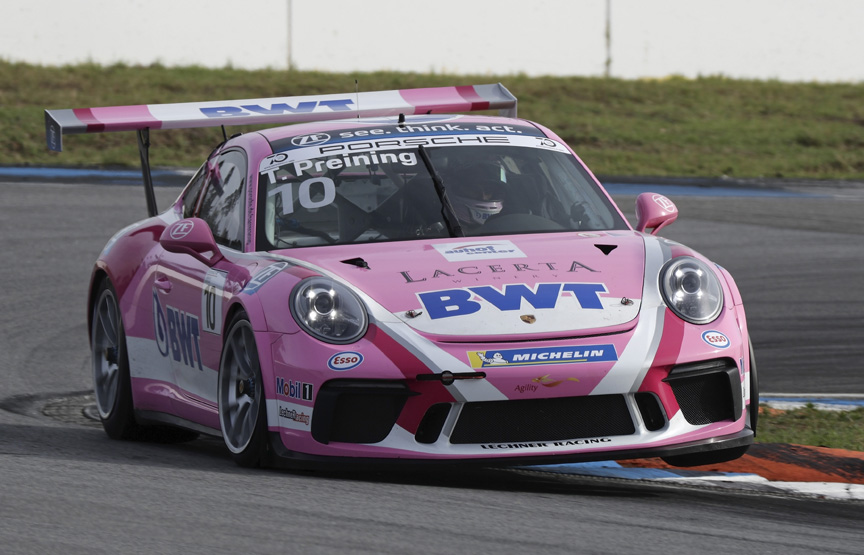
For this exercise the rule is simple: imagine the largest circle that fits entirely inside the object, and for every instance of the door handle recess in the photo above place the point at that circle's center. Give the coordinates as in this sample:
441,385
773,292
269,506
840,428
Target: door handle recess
163,283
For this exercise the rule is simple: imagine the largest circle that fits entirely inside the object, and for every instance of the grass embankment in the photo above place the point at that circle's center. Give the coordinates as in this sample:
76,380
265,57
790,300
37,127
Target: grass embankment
808,426
674,127
705,127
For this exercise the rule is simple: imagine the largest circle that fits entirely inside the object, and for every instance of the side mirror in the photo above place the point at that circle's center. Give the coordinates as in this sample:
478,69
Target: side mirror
191,236
654,212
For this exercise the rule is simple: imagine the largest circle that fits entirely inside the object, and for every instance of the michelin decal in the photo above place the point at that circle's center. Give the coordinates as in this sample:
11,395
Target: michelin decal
543,355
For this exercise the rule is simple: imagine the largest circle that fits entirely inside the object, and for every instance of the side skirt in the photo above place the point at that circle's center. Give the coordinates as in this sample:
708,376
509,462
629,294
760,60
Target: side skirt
153,417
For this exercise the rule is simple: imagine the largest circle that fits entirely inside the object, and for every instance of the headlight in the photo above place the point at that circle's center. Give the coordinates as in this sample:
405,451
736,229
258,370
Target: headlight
328,310
691,289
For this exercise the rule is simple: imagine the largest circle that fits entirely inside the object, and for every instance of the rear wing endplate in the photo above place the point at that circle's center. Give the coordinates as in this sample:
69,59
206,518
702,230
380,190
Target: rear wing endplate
284,110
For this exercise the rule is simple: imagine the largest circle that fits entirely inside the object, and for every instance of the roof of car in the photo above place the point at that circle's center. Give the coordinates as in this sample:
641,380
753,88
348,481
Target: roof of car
421,124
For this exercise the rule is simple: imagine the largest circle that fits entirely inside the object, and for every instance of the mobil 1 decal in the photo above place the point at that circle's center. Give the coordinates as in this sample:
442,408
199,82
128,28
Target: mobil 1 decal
211,300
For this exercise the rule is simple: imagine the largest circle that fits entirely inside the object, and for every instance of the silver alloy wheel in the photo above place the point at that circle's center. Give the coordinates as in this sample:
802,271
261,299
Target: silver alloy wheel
106,334
240,393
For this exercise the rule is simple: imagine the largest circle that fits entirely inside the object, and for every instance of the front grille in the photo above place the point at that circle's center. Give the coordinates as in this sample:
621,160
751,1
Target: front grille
707,392
649,408
358,411
533,420
432,423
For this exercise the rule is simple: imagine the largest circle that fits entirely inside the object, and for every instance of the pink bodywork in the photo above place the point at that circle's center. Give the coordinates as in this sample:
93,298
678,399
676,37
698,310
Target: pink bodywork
602,303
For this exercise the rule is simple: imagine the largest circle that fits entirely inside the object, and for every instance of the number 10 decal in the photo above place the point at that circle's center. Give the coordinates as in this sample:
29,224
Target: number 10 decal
211,301
324,195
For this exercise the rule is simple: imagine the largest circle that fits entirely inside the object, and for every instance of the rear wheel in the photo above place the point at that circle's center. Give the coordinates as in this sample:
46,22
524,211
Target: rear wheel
111,382
242,406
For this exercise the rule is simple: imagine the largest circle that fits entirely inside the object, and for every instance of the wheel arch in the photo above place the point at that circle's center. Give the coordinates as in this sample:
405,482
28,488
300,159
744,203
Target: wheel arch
99,275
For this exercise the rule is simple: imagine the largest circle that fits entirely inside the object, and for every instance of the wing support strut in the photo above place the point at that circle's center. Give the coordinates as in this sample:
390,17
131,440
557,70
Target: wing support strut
144,153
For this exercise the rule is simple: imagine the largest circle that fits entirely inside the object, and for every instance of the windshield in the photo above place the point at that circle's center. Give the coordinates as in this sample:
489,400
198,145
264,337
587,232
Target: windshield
314,196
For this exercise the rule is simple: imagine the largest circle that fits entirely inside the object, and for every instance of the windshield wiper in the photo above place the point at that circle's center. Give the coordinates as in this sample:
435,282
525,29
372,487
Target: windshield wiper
447,212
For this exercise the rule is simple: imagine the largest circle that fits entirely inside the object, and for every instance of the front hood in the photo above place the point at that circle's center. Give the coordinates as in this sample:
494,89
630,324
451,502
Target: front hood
539,285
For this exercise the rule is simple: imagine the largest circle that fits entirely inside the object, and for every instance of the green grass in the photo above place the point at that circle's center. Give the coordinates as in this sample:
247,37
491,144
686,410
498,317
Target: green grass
705,127
808,426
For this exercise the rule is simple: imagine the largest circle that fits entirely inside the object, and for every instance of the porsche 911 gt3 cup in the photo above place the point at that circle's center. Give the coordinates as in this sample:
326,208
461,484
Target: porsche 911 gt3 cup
386,280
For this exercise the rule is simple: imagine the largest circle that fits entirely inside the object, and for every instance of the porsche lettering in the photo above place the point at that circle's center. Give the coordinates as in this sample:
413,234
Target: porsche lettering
413,142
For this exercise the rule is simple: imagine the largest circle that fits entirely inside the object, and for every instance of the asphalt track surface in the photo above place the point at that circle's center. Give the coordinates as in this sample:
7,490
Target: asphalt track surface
798,260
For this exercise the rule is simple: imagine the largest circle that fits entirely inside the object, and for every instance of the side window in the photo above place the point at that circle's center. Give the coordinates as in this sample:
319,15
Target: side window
193,190
223,204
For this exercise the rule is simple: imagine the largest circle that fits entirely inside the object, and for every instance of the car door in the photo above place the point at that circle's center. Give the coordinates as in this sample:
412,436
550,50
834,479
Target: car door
191,295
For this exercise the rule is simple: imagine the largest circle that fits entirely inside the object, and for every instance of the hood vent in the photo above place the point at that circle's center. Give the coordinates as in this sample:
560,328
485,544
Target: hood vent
359,262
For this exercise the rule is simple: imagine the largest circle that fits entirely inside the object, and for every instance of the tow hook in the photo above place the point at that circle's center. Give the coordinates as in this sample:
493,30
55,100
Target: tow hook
447,377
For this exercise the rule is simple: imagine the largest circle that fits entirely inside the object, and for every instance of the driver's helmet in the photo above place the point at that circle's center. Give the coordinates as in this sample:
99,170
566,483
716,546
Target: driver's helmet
477,192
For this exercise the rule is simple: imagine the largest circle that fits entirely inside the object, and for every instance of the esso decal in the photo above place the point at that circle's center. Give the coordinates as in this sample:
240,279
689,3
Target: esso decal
181,230
715,339
345,361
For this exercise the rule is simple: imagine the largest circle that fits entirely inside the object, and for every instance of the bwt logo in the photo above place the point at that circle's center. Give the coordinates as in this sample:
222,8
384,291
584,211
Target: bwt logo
339,105
177,334
460,302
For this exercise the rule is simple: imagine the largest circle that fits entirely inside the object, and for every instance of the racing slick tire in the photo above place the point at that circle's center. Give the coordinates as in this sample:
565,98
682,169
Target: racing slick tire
754,393
242,406
111,382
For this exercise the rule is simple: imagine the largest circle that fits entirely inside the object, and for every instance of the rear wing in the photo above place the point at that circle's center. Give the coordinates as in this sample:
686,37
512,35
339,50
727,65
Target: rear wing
292,109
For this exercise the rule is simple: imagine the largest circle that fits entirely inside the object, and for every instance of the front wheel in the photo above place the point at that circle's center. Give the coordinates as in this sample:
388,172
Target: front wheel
111,382
242,406
753,411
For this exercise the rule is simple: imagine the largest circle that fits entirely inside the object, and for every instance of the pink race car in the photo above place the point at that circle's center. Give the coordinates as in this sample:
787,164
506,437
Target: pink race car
388,283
